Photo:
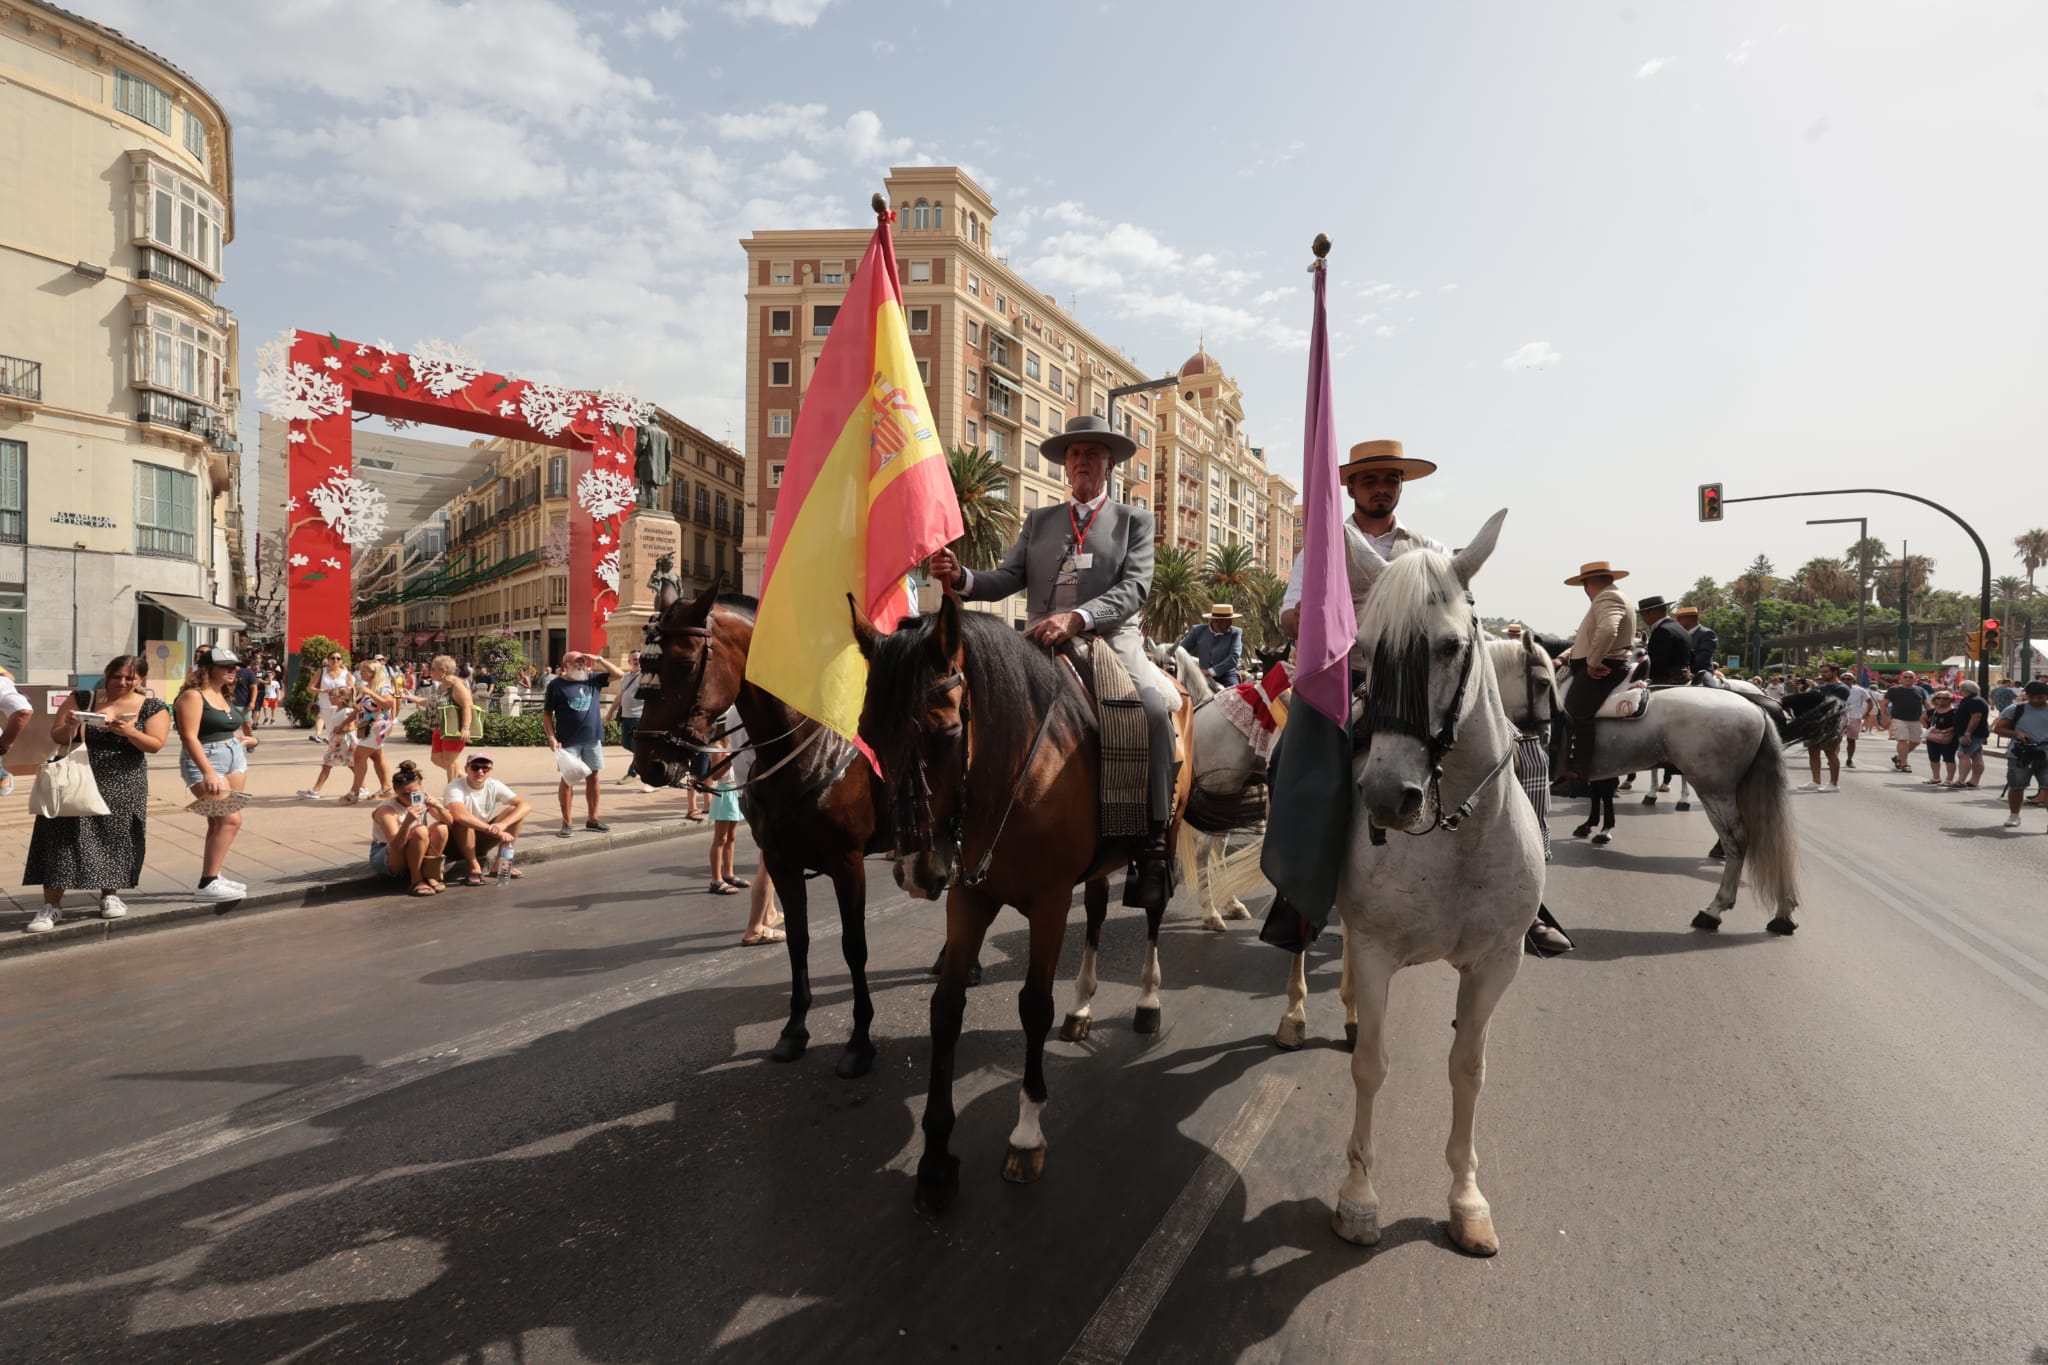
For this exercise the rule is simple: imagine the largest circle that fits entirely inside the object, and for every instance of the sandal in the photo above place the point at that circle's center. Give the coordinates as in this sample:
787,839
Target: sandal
741,882
350,799
423,889
472,879
721,889
382,794
765,936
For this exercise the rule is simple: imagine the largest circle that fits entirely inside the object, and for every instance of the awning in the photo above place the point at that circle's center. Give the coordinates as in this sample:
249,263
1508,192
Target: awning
1009,384
196,610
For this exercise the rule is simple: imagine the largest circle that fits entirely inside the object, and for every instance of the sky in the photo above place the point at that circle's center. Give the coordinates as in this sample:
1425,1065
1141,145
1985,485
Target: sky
1587,256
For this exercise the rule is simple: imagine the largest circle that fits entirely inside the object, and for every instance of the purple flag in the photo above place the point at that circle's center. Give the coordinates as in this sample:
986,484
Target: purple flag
1322,677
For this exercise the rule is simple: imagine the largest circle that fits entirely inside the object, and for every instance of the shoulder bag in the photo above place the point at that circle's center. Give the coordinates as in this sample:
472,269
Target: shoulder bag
65,787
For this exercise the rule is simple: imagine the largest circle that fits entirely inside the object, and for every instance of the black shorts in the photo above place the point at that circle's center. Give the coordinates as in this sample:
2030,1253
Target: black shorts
700,765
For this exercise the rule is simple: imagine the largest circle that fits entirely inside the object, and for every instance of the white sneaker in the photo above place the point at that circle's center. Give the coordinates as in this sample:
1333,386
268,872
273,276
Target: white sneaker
2013,821
45,920
112,907
646,790
312,795
217,891
1806,787
1829,787
226,880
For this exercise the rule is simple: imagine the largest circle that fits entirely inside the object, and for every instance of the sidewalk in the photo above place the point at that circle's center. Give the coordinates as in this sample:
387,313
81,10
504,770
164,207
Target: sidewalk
294,852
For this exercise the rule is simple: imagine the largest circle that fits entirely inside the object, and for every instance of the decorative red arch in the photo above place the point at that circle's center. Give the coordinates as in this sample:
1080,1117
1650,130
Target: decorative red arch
316,381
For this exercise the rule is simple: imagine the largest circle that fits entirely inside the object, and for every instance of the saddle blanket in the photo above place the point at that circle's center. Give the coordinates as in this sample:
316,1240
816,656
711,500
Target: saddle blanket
1625,703
1122,783
1256,710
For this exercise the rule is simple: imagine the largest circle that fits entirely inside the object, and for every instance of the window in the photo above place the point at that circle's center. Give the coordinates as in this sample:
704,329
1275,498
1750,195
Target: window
1031,454
137,98
778,374
558,476
832,272
195,137
924,373
1031,414
13,492
1030,498
166,512
1144,438
1055,381
174,353
1144,471
999,444
998,353
973,432
822,316
922,215
920,321
721,518
1002,305
780,323
974,285
1032,369
1141,504
973,382
178,215
780,272
920,272
778,424
775,475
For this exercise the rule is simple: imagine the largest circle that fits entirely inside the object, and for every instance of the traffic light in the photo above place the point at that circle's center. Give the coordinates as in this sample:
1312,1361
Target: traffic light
1990,641
1974,644
1710,502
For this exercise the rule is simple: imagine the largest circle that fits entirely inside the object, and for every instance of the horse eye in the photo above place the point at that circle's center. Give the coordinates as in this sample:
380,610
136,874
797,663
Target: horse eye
1448,646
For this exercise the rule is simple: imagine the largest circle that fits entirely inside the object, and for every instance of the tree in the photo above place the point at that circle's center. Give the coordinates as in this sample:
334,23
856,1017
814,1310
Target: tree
1762,565
2011,589
1751,589
1707,595
1262,616
1824,580
1919,568
1177,597
1866,555
263,605
1230,571
2032,550
988,519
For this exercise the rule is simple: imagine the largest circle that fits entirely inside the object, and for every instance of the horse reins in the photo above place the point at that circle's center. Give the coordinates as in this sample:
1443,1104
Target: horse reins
1439,743
696,687
915,804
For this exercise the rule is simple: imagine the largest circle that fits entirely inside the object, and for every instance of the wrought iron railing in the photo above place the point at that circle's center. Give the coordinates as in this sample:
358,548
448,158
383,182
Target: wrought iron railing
21,378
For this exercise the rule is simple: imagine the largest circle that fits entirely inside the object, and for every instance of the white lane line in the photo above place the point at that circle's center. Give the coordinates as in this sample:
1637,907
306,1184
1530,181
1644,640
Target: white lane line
94,1175
1121,1319
1898,906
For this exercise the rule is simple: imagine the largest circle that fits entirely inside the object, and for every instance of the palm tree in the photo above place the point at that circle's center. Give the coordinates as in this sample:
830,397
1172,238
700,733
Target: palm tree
1177,597
1230,569
1707,595
1919,569
1262,619
1751,589
2010,590
989,520
2033,551
1865,555
1824,580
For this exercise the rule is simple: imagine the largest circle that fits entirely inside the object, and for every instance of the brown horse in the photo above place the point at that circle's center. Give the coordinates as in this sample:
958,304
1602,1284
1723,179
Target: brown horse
991,752
811,802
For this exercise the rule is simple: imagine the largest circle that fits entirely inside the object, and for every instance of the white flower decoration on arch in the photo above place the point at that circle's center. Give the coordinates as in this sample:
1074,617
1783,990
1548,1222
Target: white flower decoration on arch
604,494
608,570
443,368
355,510
292,389
550,409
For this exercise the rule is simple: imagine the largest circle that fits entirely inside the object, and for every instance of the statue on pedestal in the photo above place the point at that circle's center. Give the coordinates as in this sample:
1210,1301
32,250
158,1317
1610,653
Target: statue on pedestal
667,589
650,464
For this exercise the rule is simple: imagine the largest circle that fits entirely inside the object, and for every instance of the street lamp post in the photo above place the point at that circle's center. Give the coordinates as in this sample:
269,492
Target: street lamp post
1862,587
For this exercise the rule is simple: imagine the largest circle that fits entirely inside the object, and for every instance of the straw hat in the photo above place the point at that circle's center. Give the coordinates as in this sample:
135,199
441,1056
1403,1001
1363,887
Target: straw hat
1379,455
1597,569
1224,610
1683,612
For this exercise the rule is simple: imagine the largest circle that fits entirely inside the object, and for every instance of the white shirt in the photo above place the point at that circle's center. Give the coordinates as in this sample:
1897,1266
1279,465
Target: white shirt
482,801
1859,696
1091,508
12,703
1383,546
629,698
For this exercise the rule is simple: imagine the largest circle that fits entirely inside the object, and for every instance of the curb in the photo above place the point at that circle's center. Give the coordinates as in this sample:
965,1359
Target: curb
95,931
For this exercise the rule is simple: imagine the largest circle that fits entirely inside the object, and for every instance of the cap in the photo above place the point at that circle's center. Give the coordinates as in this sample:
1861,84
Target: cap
216,656
2038,688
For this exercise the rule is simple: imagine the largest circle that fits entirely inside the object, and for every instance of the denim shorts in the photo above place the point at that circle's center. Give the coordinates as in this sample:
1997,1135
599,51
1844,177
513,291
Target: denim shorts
380,862
226,755
1971,746
592,755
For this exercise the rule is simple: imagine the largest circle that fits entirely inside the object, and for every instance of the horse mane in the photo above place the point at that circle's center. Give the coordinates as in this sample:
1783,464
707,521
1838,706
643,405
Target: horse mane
1009,676
739,603
1408,595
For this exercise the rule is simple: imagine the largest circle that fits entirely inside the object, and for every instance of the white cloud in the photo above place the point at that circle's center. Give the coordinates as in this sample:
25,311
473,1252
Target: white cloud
1649,68
1449,288
1072,214
795,166
796,13
1534,355
408,158
667,23
1386,329
1743,51
883,46
857,140
1273,295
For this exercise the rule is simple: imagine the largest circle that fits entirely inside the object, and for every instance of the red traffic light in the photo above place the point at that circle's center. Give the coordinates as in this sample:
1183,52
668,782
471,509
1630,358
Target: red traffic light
1710,502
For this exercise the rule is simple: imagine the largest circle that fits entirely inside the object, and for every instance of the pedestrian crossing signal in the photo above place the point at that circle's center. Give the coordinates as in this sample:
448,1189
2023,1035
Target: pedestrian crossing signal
1710,502
1989,642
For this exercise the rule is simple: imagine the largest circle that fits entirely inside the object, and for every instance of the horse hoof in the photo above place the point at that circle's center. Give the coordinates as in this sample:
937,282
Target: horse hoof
1022,1165
1075,1029
974,975
1473,1234
1356,1223
855,1062
1717,852
1291,1034
1145,1019
1351,1037
1236,910
1782,925
1705,921
936,1189
789,1047
1602,839
1650,800
1215,922
1582,831
1685,805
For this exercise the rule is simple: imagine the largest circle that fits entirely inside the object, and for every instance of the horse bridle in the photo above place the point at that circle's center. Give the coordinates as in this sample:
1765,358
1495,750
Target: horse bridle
1438,742
695,686
912,796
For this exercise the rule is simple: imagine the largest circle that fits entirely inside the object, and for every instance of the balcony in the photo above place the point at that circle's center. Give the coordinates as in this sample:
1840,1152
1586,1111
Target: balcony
164,268
21,379
165,410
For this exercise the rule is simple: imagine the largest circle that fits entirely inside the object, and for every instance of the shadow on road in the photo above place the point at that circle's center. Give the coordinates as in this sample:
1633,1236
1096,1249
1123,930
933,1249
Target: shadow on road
1607,945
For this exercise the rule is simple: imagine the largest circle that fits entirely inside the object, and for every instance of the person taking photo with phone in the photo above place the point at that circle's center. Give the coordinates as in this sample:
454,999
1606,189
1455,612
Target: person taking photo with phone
409,833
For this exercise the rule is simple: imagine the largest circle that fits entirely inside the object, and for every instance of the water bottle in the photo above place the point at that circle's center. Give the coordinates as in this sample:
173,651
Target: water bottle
505,862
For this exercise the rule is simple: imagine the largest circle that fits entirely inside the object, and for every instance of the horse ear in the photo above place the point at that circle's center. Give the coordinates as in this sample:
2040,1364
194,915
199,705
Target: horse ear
1468,560
699,611
864,633
945,639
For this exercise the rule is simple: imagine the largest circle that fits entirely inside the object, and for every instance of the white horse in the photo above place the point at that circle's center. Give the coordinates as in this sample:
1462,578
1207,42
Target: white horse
1205,856
1453,868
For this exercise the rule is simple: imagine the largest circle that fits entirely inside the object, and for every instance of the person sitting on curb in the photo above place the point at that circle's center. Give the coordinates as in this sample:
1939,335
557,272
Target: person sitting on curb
408,834
486,814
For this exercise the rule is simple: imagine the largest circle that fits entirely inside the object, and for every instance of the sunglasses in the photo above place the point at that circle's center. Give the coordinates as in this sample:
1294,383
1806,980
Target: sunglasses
479,767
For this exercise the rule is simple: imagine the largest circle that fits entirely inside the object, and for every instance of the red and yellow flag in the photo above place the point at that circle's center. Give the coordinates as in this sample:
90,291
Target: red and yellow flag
866,495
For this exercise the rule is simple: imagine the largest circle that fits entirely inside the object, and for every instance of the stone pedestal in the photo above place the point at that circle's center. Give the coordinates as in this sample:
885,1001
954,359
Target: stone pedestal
647,535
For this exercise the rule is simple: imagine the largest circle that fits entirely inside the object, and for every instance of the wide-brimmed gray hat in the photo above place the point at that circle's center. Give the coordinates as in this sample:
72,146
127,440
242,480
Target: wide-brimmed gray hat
1089,428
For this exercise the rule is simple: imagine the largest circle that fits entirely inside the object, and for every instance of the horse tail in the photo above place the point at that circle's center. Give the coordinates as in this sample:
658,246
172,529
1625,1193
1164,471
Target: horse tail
1811,718
1215,813
1770,852
1187,856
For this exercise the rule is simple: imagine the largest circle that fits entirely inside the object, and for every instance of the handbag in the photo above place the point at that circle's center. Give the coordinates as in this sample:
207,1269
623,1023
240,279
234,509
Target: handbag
65,787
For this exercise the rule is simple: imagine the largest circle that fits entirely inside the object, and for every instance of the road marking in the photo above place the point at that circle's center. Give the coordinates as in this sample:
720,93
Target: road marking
95,1175
1117,1324
1898,906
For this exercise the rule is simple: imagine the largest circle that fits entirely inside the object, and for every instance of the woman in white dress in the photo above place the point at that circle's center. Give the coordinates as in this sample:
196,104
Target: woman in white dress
334,677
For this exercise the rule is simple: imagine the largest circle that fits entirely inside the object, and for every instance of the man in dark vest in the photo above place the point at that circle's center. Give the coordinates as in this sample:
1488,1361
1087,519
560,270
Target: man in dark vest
1705,646
1670,648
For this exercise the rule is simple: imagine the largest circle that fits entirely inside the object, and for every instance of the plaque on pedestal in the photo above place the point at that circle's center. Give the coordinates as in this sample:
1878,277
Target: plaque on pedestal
650,543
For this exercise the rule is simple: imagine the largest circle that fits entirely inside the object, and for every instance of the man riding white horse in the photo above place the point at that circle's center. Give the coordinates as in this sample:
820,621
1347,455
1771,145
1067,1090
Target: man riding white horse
1085,567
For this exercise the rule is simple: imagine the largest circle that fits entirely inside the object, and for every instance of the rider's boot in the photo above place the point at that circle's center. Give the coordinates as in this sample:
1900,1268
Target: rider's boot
1147,884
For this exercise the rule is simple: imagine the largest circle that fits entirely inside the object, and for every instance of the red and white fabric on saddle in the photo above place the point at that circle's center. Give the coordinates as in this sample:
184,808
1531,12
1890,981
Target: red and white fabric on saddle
1256,709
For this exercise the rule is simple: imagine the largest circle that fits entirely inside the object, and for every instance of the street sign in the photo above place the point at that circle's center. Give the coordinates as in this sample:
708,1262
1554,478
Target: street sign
1710,502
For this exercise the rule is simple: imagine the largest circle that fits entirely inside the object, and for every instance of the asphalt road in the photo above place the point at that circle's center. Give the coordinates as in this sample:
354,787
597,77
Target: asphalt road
538,1125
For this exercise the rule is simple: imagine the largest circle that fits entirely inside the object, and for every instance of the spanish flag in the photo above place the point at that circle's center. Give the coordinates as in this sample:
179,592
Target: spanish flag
866,496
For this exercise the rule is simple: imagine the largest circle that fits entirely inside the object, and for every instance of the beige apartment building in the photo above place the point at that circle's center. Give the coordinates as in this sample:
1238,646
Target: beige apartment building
1214,489
507,538
118,395
1002,363
1283,540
